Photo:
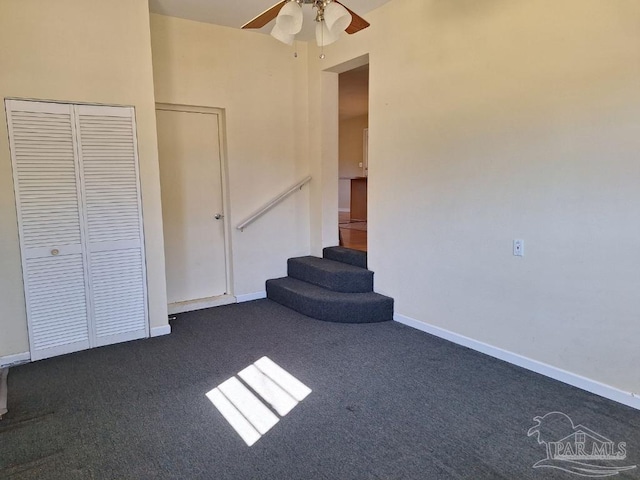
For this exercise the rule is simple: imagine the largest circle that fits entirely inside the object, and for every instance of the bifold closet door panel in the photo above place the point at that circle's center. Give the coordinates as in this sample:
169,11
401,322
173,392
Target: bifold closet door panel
115,244
46,182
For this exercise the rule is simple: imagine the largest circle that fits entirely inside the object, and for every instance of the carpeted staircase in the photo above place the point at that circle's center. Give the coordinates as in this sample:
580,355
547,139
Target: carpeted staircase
335,288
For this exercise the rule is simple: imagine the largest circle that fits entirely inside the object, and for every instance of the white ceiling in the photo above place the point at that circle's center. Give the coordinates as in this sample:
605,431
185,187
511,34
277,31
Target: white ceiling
235,13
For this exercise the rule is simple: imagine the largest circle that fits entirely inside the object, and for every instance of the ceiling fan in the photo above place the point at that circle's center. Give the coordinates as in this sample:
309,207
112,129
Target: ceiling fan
332,19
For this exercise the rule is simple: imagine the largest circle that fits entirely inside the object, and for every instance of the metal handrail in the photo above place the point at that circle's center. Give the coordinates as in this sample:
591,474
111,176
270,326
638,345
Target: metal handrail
258,213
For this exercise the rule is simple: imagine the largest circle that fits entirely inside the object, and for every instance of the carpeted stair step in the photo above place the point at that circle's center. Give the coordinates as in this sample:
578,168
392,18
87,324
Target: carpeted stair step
332,275
346,255
327,305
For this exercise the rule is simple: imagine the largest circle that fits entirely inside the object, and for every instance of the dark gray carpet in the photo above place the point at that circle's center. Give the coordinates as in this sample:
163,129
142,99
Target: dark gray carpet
335,288
327,305
388,402
336,276
353,257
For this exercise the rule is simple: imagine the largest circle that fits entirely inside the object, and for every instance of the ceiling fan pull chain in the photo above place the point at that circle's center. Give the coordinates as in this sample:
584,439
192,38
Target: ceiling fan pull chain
322,47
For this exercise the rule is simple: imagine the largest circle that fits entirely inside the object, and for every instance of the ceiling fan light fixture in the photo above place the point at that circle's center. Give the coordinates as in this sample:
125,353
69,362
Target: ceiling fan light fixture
289,20
324,36
337,17
332,18
282,36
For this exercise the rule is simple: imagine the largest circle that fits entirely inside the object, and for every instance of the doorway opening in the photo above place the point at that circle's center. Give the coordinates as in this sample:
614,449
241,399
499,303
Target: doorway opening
353,163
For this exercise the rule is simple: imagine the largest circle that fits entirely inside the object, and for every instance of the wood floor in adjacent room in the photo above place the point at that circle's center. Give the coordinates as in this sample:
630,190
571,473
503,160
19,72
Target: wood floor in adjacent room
353,234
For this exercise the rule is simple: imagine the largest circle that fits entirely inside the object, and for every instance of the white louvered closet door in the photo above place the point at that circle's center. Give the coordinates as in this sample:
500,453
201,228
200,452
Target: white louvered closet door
80,221
46,182
115,247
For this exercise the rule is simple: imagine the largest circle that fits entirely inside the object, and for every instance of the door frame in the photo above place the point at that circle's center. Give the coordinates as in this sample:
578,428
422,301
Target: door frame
228,297
324,157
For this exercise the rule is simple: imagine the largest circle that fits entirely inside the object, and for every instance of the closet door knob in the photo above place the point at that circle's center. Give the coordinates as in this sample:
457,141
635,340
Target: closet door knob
55,251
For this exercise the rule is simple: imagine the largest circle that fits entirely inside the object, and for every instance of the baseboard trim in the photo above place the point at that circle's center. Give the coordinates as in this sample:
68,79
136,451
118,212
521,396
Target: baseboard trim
160,331
344,210
249,297
12,360
200,303
607,391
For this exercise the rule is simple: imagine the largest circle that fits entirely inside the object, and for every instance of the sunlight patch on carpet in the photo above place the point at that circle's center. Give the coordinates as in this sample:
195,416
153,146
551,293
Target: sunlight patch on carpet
244,409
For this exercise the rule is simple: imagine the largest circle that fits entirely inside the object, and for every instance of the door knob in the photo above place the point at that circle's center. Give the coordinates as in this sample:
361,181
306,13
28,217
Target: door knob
218,216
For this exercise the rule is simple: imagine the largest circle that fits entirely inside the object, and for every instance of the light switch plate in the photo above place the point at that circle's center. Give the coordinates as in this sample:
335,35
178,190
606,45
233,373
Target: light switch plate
518,248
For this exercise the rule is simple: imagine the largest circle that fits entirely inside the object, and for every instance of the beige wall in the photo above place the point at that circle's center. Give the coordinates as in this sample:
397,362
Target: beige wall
263,90
498,120
351,151
323,154
351,145
78,51
489,121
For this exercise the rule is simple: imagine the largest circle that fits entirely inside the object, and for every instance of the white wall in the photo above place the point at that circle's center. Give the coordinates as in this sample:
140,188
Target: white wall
78,51
263,90
498,120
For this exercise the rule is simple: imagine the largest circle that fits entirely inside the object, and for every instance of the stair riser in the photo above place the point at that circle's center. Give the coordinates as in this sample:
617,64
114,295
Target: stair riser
335,311
347,282
346,255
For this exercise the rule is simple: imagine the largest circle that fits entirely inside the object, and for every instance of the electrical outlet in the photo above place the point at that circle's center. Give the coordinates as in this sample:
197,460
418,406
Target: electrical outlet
518,248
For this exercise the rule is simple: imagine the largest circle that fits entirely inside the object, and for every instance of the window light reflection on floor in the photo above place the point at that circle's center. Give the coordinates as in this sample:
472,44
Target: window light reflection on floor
245,411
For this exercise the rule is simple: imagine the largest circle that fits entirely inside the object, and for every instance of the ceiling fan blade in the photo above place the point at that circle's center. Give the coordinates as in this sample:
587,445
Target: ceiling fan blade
265,17
358,23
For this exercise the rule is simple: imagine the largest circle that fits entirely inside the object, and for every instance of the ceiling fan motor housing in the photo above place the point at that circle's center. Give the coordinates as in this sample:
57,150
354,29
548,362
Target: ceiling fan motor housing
320,5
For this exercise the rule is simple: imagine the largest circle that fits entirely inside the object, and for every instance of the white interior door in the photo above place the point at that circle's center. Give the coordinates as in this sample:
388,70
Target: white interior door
191,183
